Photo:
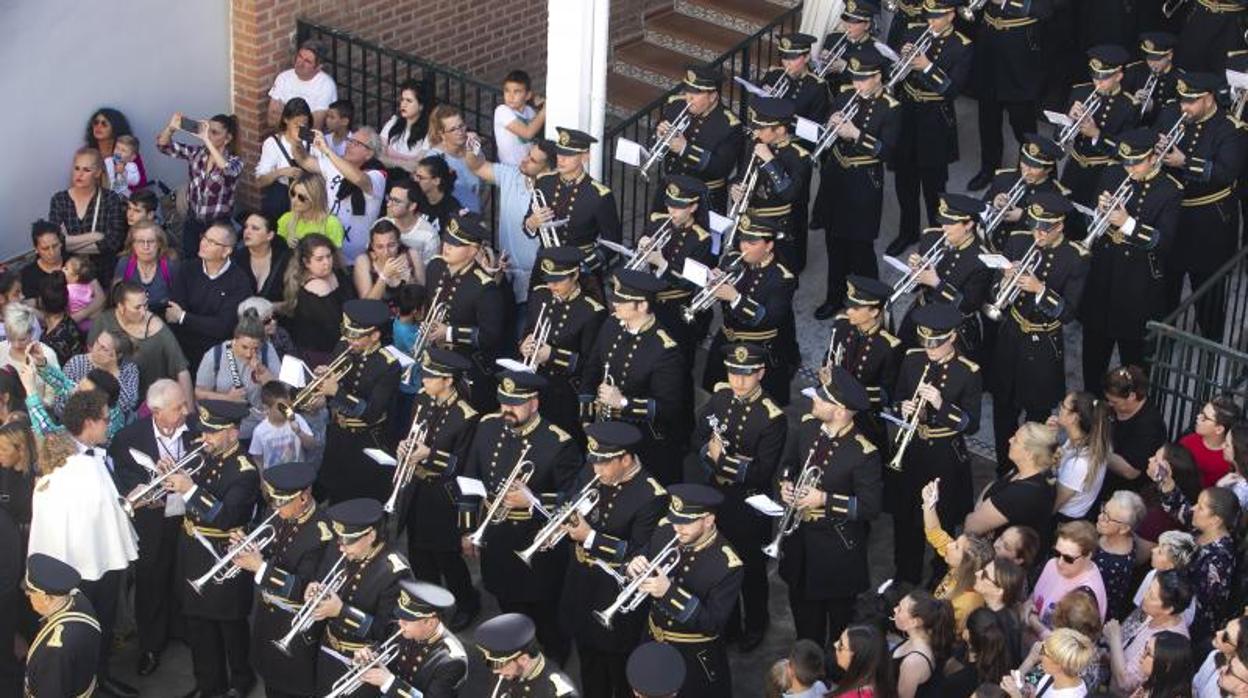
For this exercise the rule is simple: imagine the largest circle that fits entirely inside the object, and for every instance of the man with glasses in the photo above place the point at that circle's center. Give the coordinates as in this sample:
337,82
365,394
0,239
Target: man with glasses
354,183
205,296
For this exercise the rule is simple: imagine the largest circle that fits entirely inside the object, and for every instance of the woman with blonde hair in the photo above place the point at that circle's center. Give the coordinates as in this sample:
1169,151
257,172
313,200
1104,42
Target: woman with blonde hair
1084,457
448,136
1024,495
1064,657
92,217
965,556
309,212
17,471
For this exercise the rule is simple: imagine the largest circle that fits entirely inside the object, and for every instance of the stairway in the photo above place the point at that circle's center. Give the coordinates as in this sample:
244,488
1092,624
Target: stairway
688,31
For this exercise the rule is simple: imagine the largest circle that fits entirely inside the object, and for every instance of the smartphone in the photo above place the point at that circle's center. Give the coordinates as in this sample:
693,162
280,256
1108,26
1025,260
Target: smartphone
305,134
190,125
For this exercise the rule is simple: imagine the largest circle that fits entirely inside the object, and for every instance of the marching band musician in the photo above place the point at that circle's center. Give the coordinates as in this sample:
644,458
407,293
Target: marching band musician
797,84
740,452
1210,30
907,16
504,440
574,318
655,670
928,141
860,343
431,662
1125,286
1028,374
302,538
851,189
684,197
630,503
783,175
708,147
359,612
572,194
433,541
1157,59
857,18
509,646
220,500
473,323
1007,73
1207,161
690,605
947,390
61,660
960,278
824,561
1037,161
1093,149
758,308
638,375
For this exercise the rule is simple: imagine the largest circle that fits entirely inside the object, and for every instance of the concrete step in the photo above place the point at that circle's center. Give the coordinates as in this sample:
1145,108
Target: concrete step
744,16
646,62
626,96
695,37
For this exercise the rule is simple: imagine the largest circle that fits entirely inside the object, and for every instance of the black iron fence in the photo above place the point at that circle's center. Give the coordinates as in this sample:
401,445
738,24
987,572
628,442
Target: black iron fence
747,59
369,75
1226,294
1186,370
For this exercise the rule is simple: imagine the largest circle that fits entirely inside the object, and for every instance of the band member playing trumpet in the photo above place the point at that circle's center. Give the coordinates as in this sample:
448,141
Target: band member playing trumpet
472,325
630,503
1152,81
742,432
636,373
1094,147
1125,286
851,189
358,403
509,645
1029,374
63,654
1209,32
857,19
949,388
780,183
758,308
928,141
692,599
793,80
527,461
302,538
824,560
1037,162
1207,161
559,334
860,343
959,277
433,541
431,662
358,614
708,148
219,501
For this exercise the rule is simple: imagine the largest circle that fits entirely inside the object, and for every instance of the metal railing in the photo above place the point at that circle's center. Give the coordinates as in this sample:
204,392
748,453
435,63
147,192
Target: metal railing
369,75
747,59
1226,290
1187,370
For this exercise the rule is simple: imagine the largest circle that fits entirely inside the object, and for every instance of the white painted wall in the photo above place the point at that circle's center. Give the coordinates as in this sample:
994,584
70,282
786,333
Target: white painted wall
60,60
576,87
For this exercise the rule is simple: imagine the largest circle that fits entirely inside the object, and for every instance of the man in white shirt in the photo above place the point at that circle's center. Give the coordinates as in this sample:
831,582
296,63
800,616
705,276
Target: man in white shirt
307,80
354,185
417,233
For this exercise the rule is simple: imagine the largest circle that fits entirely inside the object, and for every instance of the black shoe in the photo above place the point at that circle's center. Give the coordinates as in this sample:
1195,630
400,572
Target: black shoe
896,247
148,661
120,689
980,181
826,311
463,618
750,640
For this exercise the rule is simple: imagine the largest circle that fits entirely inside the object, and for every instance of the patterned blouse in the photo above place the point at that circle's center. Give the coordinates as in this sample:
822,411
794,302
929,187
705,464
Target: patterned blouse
210,192
1212,572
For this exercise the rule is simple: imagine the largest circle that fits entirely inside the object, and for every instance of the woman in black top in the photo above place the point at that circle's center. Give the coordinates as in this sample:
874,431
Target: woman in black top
987,654
314,294
1024,496
17,471
1138,430
436,180
264,262
49,247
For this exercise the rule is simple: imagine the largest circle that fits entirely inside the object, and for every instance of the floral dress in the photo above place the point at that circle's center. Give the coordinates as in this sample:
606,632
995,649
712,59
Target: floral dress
1212,572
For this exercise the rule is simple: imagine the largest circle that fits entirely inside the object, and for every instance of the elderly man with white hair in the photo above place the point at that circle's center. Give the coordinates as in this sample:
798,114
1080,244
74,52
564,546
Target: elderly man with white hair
164,437
19,326
355,184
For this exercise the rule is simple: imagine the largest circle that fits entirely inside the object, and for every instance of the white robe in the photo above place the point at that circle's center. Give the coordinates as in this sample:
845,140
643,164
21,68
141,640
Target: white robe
78,519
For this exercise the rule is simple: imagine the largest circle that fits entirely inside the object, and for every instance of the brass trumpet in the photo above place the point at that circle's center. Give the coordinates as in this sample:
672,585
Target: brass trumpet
497,511
154,491
740,206
906,435
385,653
905,64
1090,107
1170,7
968,10
547,233
1007,291
705,298
792,517
541,334
664,144
631,596
832,55
828,137
225,569
335,369
638,261
553,531
434,315
929,260
303,618
406,468
1012,198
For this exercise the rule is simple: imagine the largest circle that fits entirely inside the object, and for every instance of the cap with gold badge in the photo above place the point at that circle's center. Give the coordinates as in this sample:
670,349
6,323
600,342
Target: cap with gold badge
1106,59
218,415
361,316
1157,44
1136,145
933,9
842,389
690,502
744,358
1047,209
285,481
1195,85
630,285
702,78
443,363
860,11
770,111
865,291
572,141
957,208
794,45
518,387
561,262
936,322
608,440
354,518
757,228
683,191
868,61
1040,151
48,575
465,229
420,600
504,638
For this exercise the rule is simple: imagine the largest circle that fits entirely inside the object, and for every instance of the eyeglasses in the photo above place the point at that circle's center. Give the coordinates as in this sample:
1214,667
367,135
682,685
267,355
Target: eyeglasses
840,646
460,127
144,243
1105,515
1202,417
395,201
1068,559
360,143
218,243
100,122
421,178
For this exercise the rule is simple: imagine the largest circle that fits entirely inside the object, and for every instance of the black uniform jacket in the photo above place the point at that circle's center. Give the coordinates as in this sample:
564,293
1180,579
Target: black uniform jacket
62,658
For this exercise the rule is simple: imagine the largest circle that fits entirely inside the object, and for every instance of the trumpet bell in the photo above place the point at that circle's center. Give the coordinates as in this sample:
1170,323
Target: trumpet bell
992,312
604,619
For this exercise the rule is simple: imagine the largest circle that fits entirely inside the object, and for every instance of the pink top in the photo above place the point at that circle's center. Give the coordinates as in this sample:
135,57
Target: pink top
1052,586
79,296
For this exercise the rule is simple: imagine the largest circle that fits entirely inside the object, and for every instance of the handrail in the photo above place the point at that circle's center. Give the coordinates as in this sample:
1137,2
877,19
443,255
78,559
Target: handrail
1186,370
634,200
1220,276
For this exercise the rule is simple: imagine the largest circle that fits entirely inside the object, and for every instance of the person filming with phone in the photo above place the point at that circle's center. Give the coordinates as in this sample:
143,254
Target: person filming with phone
213,170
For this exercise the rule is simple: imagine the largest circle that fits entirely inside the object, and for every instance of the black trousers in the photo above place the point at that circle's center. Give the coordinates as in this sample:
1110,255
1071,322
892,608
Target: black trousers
603,673
270,693
911,179
820,620
1210,308
219,653
1005,423
545,615
445,567
1023,117
1098,350
102,593
847,257
154,598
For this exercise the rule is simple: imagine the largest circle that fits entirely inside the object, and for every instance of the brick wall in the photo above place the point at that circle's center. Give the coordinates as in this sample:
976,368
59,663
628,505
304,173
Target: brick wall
483,38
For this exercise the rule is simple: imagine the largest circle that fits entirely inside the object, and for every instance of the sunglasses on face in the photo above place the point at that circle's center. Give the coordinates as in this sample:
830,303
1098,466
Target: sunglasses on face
1068,559
299,196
